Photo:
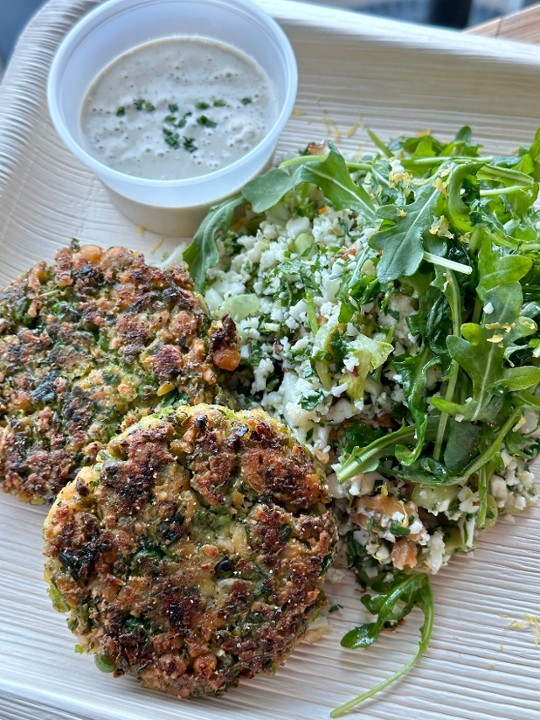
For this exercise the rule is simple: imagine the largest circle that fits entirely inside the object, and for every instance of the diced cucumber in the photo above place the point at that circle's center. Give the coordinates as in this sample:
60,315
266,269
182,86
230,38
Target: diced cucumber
241,306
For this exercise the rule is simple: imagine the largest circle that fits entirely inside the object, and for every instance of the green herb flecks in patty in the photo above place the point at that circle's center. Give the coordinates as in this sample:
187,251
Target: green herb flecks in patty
87,343
192,554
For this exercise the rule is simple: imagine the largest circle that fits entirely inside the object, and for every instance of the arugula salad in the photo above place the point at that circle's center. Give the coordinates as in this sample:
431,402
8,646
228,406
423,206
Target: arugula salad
387,306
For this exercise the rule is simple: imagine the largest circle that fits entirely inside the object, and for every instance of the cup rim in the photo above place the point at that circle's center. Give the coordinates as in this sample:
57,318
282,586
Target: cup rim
98,16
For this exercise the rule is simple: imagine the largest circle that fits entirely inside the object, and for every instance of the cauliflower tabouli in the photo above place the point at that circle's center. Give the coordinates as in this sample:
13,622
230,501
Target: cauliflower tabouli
410,373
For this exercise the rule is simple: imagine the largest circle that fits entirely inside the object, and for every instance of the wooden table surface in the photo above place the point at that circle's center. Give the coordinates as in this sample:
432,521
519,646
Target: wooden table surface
523,25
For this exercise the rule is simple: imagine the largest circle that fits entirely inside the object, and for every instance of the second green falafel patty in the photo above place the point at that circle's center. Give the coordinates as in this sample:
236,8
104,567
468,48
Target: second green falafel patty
193,553
89,342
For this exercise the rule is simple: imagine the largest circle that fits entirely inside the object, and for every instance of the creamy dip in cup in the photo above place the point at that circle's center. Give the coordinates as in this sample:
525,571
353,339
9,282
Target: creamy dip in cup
177,108
174,203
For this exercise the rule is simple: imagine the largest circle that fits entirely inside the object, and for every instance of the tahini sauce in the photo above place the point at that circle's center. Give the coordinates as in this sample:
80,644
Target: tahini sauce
211,105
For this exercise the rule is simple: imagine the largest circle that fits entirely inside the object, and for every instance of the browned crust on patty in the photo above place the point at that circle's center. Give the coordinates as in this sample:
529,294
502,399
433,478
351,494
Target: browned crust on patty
193,554
87,343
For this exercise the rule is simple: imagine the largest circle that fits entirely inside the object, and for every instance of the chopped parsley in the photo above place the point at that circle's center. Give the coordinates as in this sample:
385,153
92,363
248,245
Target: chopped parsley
183,120
189,144
311,400
174,118
206,122
171,138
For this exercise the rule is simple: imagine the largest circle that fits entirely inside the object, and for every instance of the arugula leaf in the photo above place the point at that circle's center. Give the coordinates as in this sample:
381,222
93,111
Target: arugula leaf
333,178
497,269
357,434
534,155
522,328
493,448
202,253
265,191
482,359
481,351
391,603
400,240
458,212
366,459
357,288
426,471
329,173
446,282
518,378
413,370
461,444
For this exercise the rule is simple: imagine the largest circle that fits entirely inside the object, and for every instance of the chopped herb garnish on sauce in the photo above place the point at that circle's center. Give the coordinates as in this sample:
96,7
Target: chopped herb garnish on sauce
171,138
205,121
183,120
189,144
174,139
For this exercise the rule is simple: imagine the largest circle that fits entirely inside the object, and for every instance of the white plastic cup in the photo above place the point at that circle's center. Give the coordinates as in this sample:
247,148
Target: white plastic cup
171,207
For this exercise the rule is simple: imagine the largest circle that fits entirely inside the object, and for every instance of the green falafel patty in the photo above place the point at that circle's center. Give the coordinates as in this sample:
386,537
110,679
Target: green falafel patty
193,553
91,341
